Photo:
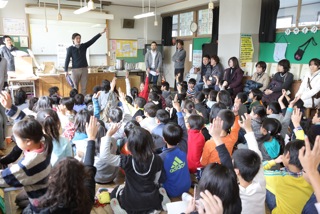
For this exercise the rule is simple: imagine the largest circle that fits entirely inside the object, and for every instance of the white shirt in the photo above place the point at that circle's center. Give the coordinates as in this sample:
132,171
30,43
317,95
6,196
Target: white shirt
153,53
149,123
306,93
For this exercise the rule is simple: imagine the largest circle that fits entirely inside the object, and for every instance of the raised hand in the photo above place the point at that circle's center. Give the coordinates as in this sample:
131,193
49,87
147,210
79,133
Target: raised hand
215,130
246,123
5,100
296,117
113,129
92,128
211,203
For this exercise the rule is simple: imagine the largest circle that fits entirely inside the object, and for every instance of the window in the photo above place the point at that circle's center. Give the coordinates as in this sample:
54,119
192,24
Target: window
185,21
284,22
308,13
204,21
175,22
181,24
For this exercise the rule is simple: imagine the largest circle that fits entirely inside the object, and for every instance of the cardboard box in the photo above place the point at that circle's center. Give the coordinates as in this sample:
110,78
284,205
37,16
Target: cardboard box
24,66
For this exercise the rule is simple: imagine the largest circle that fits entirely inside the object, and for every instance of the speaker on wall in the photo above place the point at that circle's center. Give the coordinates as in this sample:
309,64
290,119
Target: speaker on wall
128,23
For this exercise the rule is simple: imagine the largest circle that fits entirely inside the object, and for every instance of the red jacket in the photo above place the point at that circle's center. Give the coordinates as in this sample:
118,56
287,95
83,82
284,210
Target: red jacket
196,143
145,93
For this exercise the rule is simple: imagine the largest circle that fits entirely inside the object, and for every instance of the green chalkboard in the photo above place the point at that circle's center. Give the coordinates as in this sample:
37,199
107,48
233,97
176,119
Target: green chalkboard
139,58
294,41
198,42
16,42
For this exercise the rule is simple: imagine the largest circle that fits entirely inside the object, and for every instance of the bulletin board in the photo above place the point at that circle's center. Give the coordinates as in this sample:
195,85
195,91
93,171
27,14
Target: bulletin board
20,42
294,41
124,48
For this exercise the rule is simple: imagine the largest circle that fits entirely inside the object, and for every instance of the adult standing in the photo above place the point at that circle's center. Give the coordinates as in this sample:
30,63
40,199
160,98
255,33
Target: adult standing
179,58
5,52
78,52
153,61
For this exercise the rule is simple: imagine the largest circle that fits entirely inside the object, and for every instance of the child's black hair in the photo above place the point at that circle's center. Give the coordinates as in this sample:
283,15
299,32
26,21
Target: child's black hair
242,96
134,92
73,92
274,107
129,99
151,109
55,99
196,122
163,116
129,126
190,107
215,109
140,102
155,88
257,93
82,117
247,162
115,115
206,92
105,86
44,102
154,96
227,116
78,99
225,98
166,85
96,89
259,110
182,97
172,133
53,90
32,102
31,129
88,99
273,128
68,102
20,97
293,148
50,123
222,182
213,95
192,81
199,97
141,146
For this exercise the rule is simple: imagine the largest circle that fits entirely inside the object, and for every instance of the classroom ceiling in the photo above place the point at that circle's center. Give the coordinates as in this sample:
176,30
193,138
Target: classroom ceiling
133,3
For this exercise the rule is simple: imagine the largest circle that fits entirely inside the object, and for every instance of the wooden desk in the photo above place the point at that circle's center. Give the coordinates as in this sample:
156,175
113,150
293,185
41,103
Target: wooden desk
47,81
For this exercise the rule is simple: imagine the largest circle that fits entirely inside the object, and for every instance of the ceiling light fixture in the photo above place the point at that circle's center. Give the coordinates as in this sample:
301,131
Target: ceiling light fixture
155,15
85,8
3,3
59,17
143,14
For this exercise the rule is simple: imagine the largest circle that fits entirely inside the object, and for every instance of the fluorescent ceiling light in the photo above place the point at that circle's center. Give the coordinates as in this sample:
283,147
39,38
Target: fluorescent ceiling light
3,3
82,10
143,15
91,5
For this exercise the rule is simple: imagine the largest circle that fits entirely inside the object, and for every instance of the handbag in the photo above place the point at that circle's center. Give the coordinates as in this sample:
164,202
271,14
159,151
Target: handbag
300,52
251,84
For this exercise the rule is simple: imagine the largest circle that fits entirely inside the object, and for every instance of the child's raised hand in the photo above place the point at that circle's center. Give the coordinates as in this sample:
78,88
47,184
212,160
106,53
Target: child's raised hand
113,83
291,104
113,129
246,122
310,159
279,159
92,128
5,100
216,129
127,74
176,103
212,204
122,96
191,206
296,117
96,95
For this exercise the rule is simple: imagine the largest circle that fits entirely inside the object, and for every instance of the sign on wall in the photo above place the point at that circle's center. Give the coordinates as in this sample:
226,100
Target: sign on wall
14,26
246,50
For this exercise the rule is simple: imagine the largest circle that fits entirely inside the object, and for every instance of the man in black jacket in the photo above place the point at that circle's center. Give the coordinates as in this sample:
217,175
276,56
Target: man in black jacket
79,61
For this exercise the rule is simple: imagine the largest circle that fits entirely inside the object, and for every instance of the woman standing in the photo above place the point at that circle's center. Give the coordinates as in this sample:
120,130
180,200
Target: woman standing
310,87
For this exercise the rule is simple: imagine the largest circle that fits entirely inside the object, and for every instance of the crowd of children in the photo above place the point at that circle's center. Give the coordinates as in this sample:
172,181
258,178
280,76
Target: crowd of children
242,149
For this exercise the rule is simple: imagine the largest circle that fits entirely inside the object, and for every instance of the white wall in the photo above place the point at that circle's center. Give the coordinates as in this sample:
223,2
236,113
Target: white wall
144,28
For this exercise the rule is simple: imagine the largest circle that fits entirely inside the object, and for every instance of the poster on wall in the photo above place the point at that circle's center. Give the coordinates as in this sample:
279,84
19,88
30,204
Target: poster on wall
197,58
246,49
14,26
123,48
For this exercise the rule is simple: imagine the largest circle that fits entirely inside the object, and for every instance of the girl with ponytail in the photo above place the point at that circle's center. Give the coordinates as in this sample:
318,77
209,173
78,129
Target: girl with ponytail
51,126
271,143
